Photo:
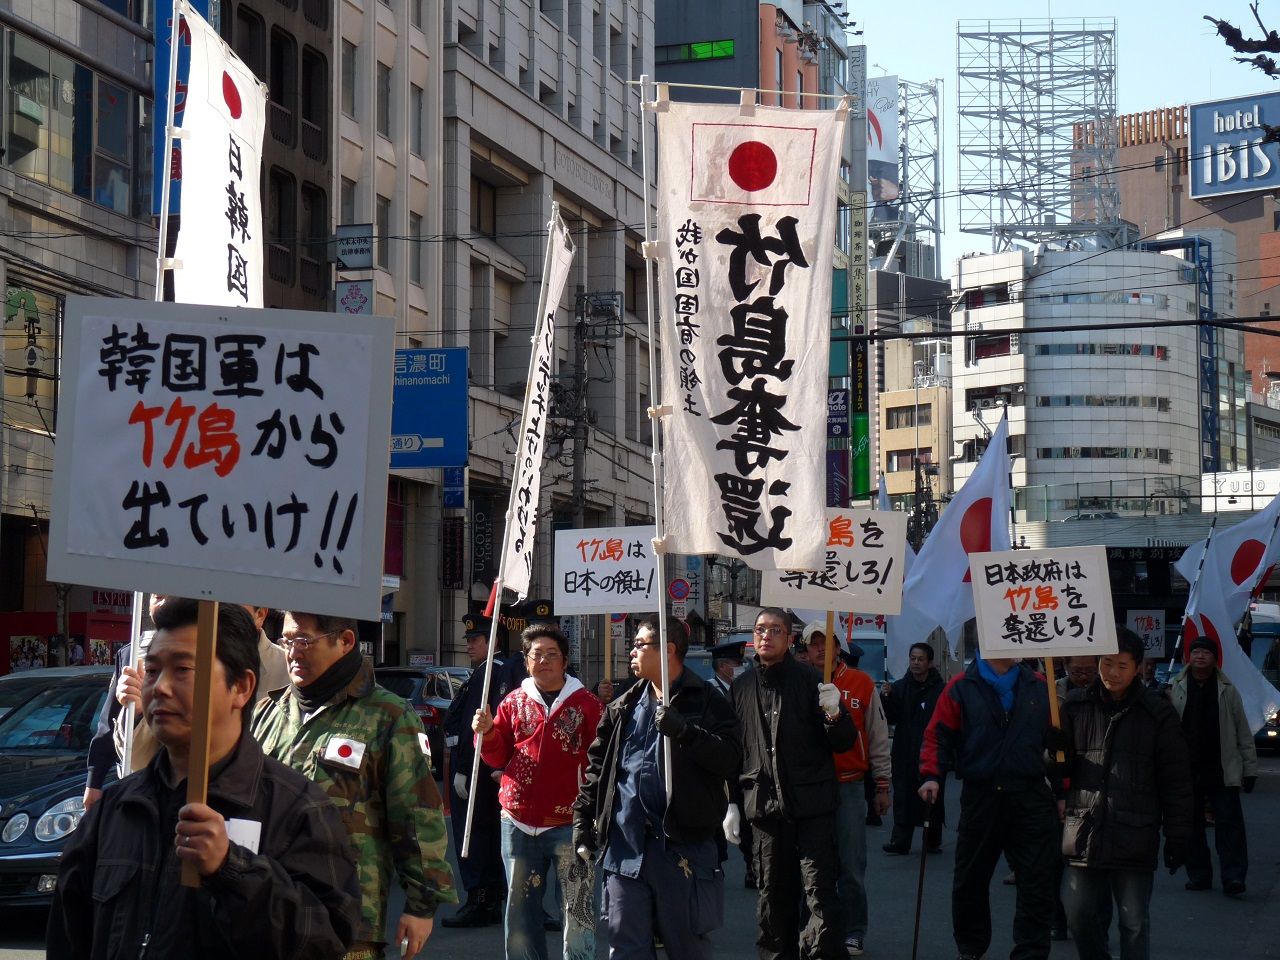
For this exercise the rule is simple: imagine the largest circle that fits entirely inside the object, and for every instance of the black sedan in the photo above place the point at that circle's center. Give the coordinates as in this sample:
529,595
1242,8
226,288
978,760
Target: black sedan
429,691
44,745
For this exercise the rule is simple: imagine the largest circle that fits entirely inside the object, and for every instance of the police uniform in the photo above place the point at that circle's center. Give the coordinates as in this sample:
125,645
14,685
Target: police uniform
483,875
368,751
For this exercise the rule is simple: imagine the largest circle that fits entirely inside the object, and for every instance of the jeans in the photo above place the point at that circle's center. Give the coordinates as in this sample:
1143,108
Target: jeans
1086,888
529,861
851,842
1021,821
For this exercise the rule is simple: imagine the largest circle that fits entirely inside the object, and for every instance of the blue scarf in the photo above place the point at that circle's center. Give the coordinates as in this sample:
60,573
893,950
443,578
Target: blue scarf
1003,685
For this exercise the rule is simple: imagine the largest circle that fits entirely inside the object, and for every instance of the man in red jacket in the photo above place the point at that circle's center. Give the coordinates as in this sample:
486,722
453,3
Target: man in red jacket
869,755
539,741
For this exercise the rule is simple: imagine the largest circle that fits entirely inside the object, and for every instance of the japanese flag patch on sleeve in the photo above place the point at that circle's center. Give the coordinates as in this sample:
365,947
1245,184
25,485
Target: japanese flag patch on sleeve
347,753
424,745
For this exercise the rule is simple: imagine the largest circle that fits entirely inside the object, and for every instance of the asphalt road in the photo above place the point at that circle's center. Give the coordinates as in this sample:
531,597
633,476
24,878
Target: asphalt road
1200,925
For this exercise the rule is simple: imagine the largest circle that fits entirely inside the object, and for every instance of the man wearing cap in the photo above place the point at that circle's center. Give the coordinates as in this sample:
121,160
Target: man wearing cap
869,755
726,659
1224,761
481,871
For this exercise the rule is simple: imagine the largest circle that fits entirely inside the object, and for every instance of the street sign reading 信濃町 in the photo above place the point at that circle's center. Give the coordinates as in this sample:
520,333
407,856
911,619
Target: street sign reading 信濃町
429,412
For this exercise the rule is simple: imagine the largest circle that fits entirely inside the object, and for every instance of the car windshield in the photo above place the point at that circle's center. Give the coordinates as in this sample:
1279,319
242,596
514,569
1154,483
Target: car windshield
401,684
62,717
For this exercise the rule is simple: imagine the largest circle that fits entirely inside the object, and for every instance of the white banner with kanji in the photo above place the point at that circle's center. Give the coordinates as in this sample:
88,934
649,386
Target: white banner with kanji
862,570
220,236
746,227
516,563
606,570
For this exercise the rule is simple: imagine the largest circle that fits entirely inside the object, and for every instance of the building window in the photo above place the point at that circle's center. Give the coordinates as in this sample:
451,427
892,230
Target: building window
281,225
898,461
251,41
314,104
347,201
617,54
991,345
384,100
800,89
415,13
1102,350
382,226
415,248
1159,454
686,52
416,107
348,78
315,222
70,128
484,202
898,418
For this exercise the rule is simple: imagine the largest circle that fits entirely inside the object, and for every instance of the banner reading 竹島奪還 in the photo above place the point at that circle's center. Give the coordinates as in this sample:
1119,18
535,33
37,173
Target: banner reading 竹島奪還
746,217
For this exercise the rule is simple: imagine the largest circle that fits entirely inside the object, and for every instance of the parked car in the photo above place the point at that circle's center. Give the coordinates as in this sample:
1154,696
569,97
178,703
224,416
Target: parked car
16,687
44,745
429,691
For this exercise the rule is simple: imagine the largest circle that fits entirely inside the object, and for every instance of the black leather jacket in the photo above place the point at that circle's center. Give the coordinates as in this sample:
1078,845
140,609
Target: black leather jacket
704,757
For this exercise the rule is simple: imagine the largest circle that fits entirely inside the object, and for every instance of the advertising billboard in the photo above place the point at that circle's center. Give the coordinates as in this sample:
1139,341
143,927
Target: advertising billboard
884,175
1228,152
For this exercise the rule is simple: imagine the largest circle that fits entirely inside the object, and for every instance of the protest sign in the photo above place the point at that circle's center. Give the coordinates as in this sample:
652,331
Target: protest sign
862,569
236,455
606,570
1149,625
1054,602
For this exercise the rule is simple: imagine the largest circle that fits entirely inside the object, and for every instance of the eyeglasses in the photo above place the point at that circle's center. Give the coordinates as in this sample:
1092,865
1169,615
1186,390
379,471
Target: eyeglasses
770,631
551,657
303,643
641,644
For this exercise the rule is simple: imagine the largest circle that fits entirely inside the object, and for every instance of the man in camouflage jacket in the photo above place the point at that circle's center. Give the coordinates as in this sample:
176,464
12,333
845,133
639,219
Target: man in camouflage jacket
367,749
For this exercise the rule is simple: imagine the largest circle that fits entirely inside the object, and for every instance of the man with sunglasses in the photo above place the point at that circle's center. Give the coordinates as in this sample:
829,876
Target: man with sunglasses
662,876
792,726
367,749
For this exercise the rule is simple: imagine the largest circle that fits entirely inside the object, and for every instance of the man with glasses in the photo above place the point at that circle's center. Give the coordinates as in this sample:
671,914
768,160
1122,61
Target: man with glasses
367,749
662,867
792,726
538,739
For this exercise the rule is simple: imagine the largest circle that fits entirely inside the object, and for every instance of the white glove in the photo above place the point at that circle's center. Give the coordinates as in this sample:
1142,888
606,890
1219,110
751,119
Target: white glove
829,700
460,785
732,824
585,854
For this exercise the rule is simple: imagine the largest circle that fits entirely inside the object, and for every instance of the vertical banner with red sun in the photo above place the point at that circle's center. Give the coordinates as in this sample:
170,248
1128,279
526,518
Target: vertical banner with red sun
220,237
746,217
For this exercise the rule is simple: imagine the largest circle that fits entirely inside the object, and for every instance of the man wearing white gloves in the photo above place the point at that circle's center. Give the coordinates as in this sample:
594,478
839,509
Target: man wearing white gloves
792,725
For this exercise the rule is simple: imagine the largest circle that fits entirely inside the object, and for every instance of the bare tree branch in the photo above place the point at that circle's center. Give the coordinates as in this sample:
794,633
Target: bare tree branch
1264,63
1234,37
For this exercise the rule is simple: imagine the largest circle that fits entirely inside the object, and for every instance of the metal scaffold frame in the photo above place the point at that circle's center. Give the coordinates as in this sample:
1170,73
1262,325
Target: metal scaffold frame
1037,130
920,219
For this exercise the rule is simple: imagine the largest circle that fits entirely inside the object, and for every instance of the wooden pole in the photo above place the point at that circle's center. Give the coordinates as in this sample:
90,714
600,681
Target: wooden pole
608,649
1054,718
829,652
201,706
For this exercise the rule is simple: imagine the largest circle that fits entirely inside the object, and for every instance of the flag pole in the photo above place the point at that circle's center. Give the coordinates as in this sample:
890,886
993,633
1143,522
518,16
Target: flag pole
1208,540
495,595
657,411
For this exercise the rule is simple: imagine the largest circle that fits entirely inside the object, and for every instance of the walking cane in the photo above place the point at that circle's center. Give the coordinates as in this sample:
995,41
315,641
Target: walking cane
924,855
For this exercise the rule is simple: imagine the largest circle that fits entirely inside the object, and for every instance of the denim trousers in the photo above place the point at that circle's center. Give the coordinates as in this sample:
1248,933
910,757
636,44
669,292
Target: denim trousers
851,843
1085,887
529,861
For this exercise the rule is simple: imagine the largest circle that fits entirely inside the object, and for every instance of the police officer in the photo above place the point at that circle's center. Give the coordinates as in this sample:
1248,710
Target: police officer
482,873
367,748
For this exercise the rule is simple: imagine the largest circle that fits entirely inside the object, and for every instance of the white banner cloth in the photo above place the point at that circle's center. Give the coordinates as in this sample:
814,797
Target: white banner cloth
220,237
746,220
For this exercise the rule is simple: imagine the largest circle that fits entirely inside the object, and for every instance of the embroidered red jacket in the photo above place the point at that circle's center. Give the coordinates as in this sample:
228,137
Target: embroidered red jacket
542,753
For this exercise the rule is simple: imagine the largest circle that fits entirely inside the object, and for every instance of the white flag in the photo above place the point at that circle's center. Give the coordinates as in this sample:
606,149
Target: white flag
937,591
516,563
746,216
220,236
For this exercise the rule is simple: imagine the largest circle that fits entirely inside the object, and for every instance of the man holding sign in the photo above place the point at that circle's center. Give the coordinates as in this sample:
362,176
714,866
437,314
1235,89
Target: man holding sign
991,727
277,875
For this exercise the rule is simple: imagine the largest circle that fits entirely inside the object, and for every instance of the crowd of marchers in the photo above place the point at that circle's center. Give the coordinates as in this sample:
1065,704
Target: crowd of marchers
626,798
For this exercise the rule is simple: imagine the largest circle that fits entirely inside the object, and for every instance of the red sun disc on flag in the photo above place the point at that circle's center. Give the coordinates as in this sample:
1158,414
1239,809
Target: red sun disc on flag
1193,628
975,530
232,96
1247,557
344,751
753,165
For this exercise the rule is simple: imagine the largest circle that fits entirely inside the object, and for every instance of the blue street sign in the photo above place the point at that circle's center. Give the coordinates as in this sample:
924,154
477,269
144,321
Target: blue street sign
455,487
429,409
160,90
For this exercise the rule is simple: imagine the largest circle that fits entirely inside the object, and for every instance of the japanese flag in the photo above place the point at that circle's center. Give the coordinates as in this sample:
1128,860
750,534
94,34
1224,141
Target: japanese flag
937,592
345,752
756,164
220,239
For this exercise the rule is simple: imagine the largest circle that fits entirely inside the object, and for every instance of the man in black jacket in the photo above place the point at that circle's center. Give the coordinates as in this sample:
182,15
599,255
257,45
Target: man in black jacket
1129,774
662,877
908,705
792,725
276,868
991,726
